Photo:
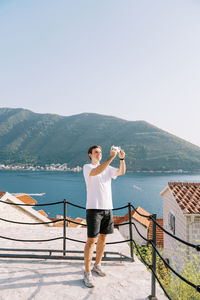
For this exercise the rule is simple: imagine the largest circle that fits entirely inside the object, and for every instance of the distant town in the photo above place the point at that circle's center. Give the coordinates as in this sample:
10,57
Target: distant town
65,168
51,167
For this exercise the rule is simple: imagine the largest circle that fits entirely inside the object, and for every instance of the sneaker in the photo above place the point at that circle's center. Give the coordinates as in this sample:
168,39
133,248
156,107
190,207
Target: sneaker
88,280
97,269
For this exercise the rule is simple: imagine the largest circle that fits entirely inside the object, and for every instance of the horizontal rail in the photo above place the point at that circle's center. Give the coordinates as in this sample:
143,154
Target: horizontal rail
74,222
119,256
142,215
57,238
30,241
104,258
23,204
31,223
75,205
122,207
122,224
54,250
147,240
82,207
197,247
43,223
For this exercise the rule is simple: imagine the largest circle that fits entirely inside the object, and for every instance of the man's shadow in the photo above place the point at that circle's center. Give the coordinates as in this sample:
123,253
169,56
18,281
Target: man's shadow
37,277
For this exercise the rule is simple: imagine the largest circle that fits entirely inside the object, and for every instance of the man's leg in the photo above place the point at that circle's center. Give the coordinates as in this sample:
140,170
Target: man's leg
100,248
88,252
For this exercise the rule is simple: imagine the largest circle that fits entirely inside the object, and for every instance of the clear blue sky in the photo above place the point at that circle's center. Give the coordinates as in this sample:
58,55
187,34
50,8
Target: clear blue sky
137,60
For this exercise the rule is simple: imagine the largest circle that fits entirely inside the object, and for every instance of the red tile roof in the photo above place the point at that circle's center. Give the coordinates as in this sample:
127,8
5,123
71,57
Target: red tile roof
26,199
57,224
159,232
142,220
2,194
69,224
42,212
78,220
187,195
117,219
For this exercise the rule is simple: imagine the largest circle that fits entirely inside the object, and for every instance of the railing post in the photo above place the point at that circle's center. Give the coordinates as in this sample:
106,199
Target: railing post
64,228
130,231
153,279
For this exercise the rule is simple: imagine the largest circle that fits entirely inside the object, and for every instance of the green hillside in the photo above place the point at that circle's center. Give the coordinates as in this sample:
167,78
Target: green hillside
27,137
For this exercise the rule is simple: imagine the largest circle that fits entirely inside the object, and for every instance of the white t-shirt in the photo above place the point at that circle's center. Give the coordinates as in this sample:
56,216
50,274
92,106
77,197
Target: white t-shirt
99,193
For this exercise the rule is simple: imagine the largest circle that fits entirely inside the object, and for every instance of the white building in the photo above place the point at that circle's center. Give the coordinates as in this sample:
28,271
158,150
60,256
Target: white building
142,224
181,214
20,213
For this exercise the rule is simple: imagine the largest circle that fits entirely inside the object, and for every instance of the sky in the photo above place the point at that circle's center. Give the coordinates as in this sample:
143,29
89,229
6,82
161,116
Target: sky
136,60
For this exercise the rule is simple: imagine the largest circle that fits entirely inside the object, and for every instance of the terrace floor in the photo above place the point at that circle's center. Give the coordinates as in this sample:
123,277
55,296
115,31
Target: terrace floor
40,279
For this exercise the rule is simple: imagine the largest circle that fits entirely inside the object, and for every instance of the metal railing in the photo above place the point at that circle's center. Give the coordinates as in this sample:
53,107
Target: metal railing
108,255
152,241
155,252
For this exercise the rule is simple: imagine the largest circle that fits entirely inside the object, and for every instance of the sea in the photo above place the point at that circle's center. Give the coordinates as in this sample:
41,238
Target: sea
140,189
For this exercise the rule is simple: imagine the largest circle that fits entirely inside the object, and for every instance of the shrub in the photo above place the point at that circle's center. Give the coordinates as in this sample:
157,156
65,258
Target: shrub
175,287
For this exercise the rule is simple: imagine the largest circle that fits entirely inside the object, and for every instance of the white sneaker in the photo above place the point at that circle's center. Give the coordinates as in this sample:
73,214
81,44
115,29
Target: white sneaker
88,280
98,270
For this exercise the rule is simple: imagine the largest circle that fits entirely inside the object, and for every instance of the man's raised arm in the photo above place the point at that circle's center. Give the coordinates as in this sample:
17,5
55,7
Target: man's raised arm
122,167
100,168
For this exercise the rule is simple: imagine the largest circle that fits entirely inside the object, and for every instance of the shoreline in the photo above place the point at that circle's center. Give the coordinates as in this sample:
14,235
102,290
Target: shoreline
73,170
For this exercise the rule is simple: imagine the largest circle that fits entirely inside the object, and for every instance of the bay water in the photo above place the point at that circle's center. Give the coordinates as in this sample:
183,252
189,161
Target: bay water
141,189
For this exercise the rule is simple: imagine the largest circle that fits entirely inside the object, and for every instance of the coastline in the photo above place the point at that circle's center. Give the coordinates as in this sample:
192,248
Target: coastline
51,167
60,168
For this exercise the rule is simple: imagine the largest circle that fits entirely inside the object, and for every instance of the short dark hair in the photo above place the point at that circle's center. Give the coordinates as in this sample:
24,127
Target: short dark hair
93,147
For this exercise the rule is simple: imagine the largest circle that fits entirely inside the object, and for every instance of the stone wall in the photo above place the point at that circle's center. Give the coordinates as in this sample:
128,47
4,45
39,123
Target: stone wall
193,234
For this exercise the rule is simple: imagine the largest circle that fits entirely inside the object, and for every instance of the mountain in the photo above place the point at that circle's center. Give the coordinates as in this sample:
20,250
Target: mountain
32,138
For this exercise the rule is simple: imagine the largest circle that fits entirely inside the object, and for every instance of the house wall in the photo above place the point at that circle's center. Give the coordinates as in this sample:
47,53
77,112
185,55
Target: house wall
173,250
193,234
124,230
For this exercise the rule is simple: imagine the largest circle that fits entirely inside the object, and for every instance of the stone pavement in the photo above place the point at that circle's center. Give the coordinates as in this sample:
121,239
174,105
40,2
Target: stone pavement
40,279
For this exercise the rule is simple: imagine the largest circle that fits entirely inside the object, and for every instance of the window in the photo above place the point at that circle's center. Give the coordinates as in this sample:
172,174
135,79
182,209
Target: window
171,222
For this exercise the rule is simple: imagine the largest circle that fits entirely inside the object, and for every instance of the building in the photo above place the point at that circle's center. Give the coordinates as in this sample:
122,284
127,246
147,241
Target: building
68,223
181,214
28,214
18,213
143,224
159,233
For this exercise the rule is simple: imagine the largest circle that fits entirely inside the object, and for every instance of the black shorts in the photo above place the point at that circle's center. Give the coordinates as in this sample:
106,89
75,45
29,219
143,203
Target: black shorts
99,221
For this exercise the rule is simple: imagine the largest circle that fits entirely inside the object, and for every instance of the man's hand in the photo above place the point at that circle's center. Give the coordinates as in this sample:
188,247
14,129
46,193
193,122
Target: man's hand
121,154
113,152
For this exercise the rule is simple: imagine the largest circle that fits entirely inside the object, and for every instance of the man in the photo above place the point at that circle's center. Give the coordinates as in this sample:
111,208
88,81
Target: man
99,206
